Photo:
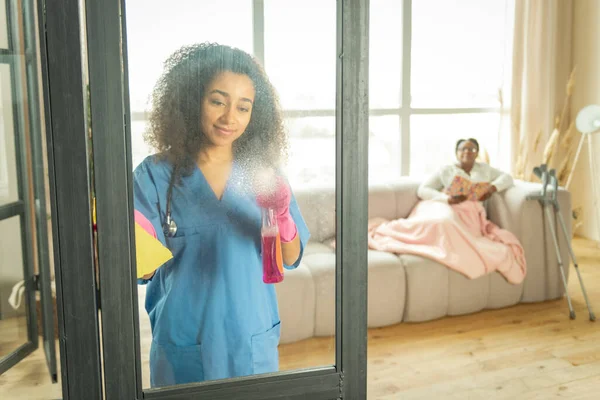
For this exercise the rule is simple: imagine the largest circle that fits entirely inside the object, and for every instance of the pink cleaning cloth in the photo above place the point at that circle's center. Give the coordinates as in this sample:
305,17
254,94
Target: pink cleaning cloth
142,221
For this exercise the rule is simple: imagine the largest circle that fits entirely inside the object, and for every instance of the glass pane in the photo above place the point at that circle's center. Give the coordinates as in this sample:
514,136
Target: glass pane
385,53
311,138
433,139
29,378
13,315
384,149
461,51
3,26
208,308
182,23
139,148
9,187
300,52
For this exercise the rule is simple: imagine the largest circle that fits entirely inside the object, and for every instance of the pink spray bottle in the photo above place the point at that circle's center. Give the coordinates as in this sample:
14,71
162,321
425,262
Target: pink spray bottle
271,248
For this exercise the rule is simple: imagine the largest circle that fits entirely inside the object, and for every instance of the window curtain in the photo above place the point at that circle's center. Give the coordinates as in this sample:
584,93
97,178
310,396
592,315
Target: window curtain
542,82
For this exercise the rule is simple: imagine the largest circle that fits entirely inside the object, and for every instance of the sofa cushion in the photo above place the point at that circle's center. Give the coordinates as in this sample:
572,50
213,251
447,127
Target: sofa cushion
406,196
456,294
426,289
318,210
386,289
467,295
316,248
382,203
296,299
503,294
322,269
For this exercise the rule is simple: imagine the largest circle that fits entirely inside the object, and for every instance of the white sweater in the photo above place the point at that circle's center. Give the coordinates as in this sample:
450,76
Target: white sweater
431,188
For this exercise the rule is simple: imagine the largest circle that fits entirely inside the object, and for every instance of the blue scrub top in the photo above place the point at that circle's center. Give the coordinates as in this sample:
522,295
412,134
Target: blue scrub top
212,316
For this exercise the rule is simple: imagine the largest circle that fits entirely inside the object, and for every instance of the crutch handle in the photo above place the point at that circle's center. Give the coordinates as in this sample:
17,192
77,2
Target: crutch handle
554,185
537,197
542,173
544,182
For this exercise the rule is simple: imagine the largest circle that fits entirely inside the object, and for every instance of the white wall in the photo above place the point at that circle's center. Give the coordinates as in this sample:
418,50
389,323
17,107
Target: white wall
586,56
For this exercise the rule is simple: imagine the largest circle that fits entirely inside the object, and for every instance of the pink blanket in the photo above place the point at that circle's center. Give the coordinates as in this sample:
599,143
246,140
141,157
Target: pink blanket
458,236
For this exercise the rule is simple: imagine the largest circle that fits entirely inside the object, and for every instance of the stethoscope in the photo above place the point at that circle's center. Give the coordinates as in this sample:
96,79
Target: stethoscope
170,227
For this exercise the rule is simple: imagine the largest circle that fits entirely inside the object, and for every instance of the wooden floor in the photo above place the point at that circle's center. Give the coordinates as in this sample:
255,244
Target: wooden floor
530,351
12,332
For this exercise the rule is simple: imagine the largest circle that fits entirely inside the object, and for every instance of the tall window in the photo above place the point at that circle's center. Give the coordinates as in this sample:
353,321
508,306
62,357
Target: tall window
437,68
460,63
300,41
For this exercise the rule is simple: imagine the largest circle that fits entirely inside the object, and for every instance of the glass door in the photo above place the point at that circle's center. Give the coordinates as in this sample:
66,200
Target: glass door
24,255
187,310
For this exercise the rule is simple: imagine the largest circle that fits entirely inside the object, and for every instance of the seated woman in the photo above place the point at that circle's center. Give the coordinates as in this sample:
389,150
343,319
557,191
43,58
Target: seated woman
467,151
452,231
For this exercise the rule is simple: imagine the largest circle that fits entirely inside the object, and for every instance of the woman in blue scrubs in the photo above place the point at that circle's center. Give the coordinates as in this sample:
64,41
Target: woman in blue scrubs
216,124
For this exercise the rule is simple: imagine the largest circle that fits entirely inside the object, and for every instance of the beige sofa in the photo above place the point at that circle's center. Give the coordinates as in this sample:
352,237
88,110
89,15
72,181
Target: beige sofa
409,288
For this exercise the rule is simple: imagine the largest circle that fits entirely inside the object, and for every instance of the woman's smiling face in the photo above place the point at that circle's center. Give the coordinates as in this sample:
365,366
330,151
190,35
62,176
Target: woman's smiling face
226,108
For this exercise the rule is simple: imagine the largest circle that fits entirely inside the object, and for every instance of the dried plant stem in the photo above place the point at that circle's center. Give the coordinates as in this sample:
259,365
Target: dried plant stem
536,141
520,167
551,146
565,168
567,139
569,92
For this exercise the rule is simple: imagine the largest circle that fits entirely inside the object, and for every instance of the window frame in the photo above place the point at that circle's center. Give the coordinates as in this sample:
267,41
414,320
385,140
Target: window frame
100,25
21,58
71,206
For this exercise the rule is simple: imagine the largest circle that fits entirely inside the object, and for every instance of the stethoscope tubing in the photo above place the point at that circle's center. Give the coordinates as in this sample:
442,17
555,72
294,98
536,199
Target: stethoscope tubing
169,226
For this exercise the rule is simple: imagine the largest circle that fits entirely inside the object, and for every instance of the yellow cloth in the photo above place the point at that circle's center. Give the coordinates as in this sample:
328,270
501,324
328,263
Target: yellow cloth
149,252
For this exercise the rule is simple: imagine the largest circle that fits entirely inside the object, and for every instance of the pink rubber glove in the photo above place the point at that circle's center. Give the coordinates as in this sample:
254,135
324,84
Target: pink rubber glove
279,200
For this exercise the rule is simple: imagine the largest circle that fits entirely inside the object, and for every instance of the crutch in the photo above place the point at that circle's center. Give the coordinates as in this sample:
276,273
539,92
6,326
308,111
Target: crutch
550,199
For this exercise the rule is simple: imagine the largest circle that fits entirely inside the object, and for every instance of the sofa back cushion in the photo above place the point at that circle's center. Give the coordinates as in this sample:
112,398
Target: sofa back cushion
392,201
406,196
317,206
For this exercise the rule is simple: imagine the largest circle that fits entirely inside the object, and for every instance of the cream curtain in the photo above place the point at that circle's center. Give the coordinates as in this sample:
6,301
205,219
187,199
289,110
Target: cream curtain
541,86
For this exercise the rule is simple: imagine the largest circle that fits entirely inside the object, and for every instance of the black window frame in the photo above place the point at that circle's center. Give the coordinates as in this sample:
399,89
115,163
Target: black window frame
106,171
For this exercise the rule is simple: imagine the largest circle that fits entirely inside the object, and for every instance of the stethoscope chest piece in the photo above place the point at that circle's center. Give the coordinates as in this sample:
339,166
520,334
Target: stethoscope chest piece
170,227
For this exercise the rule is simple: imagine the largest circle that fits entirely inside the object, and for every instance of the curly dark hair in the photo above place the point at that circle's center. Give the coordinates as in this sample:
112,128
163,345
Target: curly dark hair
175,128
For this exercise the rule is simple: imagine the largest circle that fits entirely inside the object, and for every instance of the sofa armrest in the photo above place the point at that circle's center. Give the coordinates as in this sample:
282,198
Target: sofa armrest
512,211
506,209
